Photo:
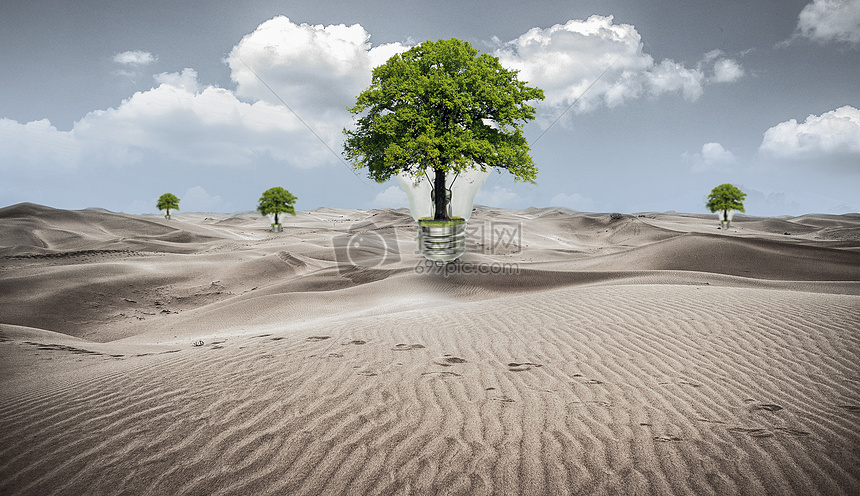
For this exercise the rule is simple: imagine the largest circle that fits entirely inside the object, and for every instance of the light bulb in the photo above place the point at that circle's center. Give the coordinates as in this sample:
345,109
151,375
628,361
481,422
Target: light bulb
726,217
446,242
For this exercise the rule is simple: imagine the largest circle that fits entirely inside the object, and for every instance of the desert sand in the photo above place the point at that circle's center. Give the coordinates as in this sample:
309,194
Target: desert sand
567,353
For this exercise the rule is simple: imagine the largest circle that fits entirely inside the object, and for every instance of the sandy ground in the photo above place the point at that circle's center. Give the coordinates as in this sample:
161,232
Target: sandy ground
567,353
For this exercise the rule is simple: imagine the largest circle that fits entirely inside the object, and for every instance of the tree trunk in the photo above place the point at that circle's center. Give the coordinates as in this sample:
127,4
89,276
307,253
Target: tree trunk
725,215
440,199
276,217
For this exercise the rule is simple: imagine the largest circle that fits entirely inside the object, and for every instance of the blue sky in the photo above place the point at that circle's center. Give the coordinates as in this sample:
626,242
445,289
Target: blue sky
110,104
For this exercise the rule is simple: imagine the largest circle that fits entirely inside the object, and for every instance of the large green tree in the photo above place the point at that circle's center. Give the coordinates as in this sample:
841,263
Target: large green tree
726,197
277,201
442,105
166,202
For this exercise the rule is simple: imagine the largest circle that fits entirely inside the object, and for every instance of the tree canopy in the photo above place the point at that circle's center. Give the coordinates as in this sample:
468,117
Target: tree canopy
276,201
443,106
726,197
167,201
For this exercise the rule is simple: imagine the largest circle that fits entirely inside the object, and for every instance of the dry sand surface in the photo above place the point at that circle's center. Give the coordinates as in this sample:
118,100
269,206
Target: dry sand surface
582,354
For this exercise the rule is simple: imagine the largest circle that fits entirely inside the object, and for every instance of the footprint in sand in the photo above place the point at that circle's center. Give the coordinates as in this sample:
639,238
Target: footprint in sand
752,432
851,408
768,407
355,342
667,439
710,421
681,382
317,338
441,374
407,347
594,402
769,433
586,381
448,360
792,432
521,367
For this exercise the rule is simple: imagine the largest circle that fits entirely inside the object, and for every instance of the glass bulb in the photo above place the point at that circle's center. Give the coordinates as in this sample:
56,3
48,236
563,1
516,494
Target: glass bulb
446,242
726,217
726,214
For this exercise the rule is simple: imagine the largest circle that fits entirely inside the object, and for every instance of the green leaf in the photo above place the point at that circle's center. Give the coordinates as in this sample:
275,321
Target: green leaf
167,201
426,107
276,201
726,197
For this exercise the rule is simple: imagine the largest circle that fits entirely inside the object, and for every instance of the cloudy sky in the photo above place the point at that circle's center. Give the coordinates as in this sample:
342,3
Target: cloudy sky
107,103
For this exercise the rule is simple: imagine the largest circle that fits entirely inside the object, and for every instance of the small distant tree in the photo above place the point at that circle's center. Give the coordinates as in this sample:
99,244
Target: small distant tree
277,201
726,197
166,202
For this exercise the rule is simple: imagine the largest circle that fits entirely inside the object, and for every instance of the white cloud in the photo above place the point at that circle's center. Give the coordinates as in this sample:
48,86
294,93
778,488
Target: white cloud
715,153
124,73
574,201
37,144
317,70
769,203
176,123
134,57
392,197
565,59
207,127
197,199
670,76
186,80
834,133
713,156
843,208
497,197
830,20
727,71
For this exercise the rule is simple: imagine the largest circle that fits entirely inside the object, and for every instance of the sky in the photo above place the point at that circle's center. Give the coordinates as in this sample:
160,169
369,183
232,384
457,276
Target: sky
649,105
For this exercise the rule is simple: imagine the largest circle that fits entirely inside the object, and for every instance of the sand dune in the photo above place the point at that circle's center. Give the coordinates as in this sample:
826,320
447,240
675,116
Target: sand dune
567,353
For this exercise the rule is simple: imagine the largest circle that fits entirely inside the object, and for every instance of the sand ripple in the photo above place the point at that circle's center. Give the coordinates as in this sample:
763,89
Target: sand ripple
663,393
207,356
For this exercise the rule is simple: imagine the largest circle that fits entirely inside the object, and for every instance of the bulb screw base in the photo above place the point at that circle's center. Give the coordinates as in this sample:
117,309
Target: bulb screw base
442,243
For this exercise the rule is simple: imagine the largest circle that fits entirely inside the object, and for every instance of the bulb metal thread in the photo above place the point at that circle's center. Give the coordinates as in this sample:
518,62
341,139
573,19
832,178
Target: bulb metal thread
442,243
